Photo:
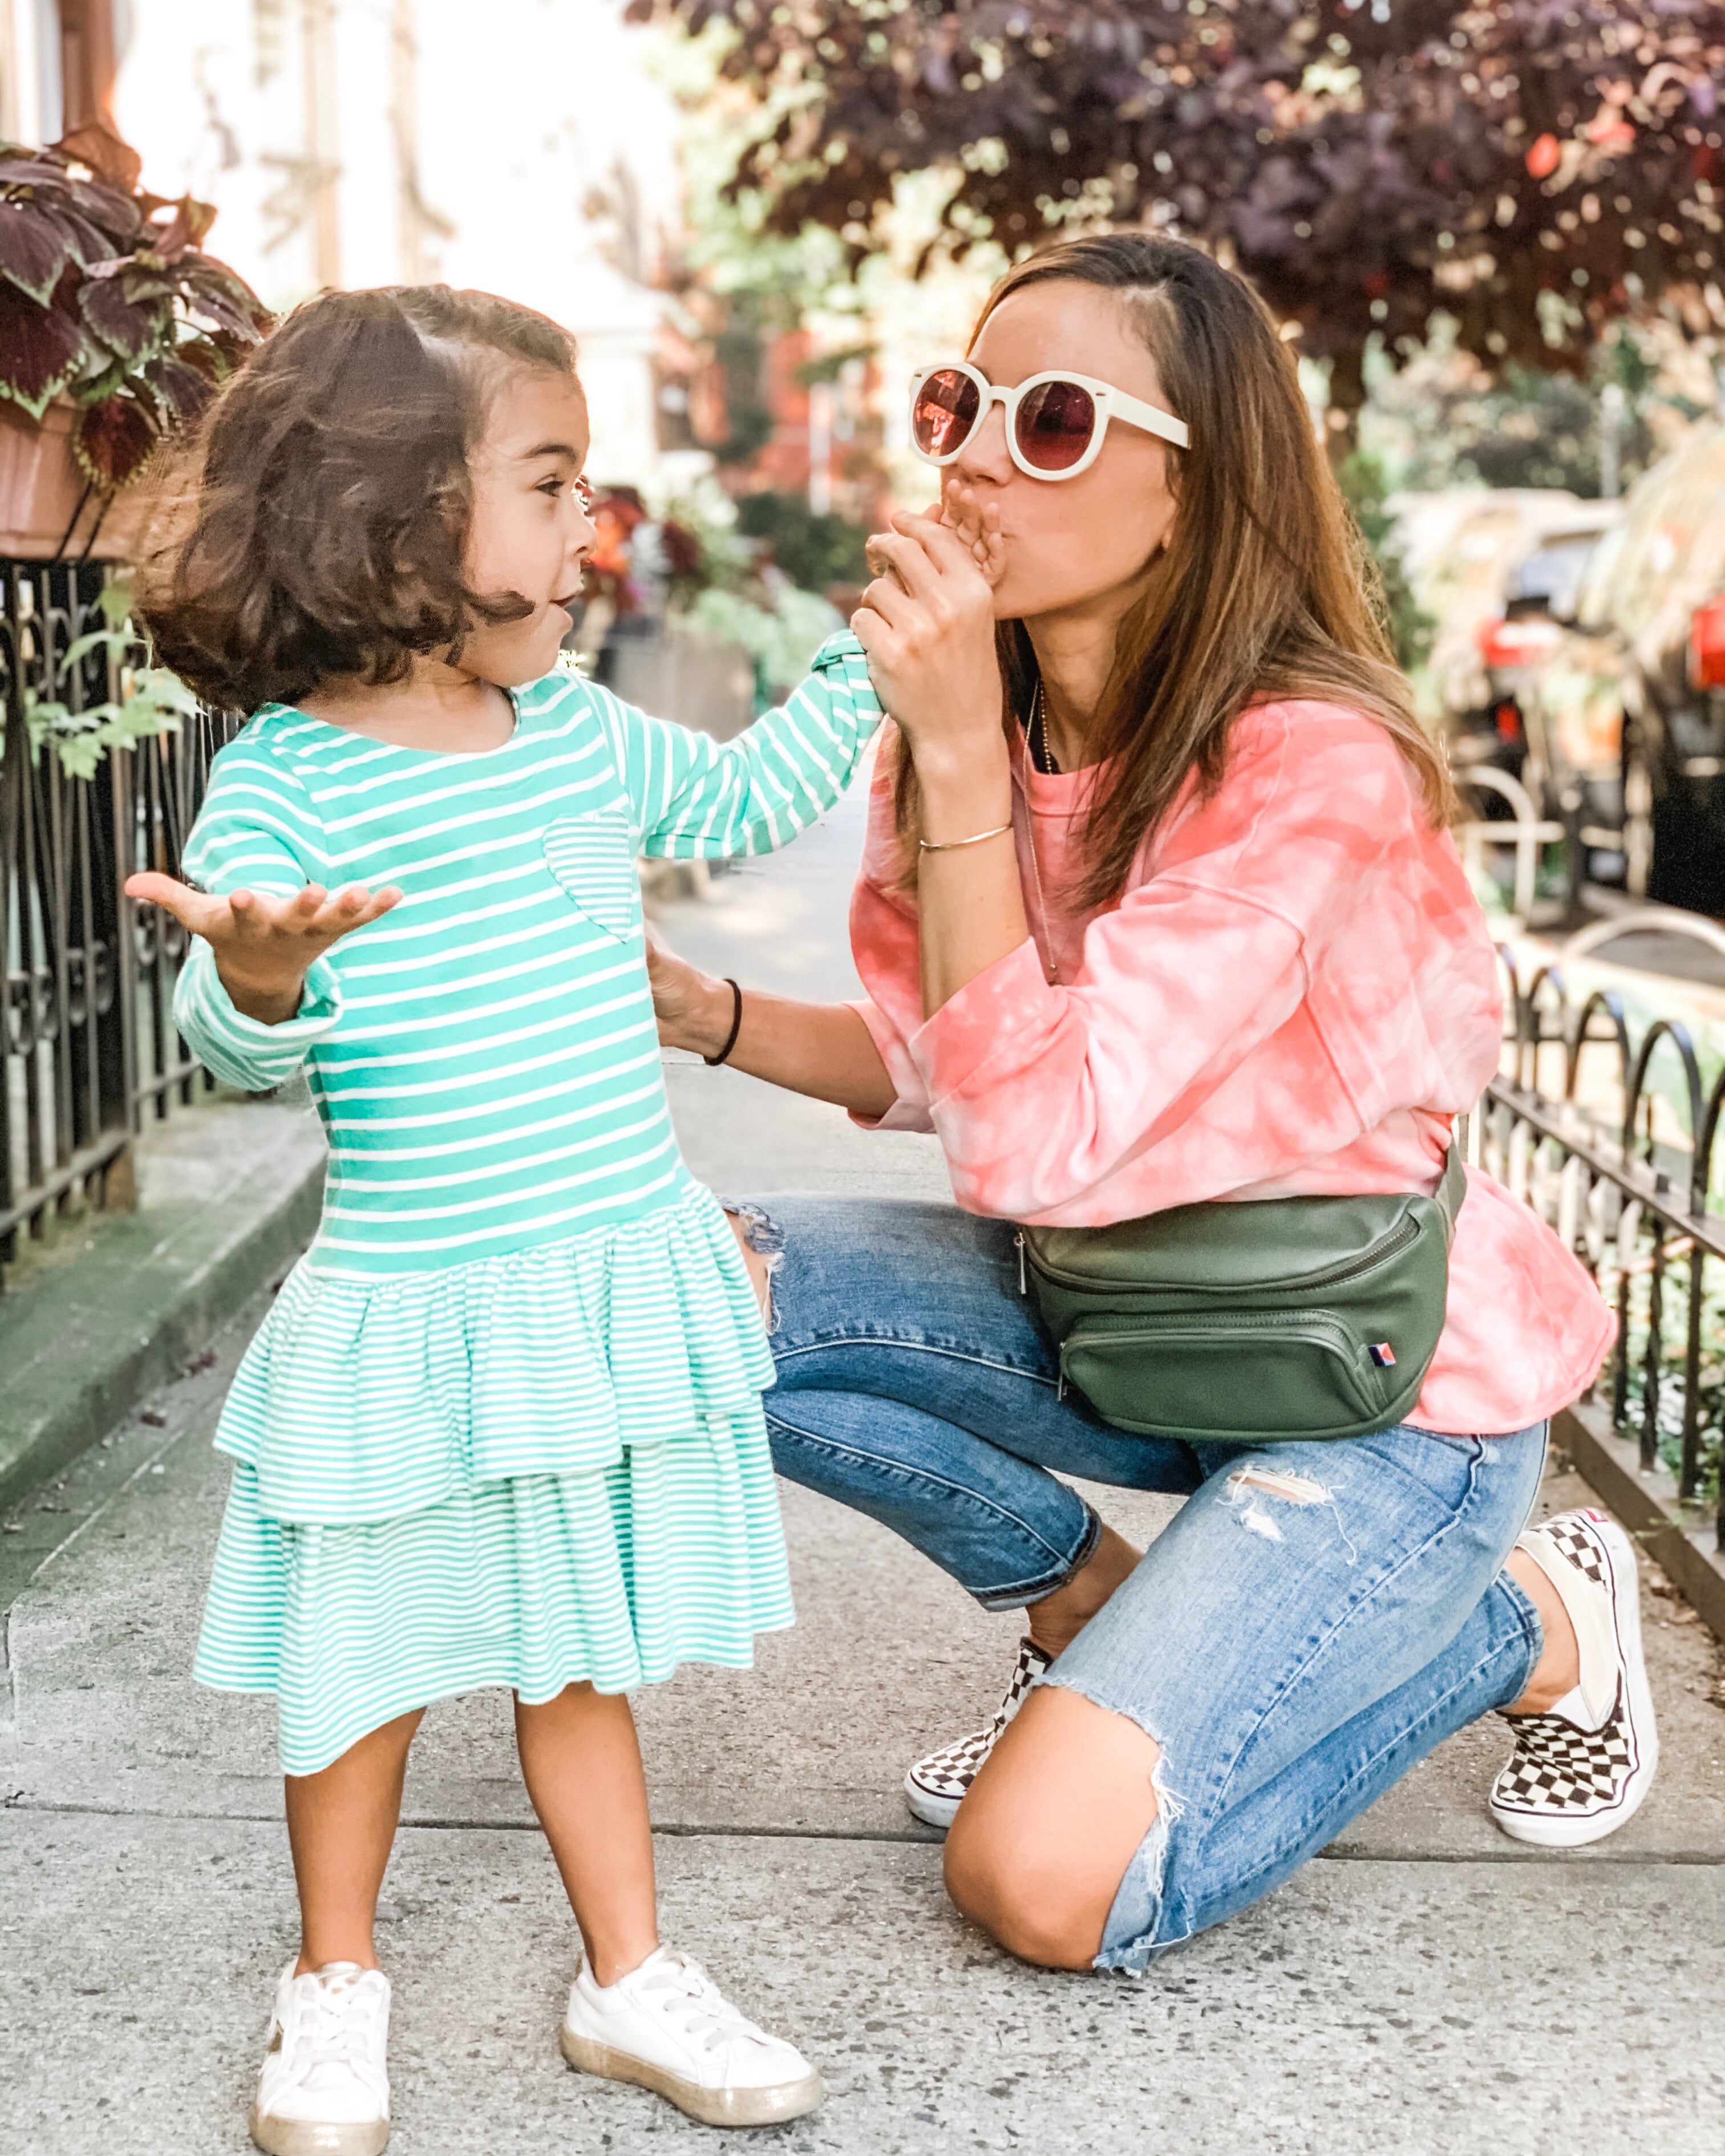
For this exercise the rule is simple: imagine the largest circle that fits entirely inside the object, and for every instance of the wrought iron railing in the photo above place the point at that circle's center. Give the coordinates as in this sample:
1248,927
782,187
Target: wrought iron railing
86,1024
1614,1141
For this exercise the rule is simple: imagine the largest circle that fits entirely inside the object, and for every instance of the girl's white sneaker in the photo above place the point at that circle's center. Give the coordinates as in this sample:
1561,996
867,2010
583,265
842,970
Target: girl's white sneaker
666,2025
324,2090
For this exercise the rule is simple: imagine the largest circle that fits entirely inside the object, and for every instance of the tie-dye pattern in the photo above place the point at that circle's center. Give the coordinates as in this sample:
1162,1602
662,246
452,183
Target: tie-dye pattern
1296,994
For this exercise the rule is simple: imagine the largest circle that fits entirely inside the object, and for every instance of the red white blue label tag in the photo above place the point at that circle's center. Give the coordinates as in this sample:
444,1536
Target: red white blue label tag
1382,1354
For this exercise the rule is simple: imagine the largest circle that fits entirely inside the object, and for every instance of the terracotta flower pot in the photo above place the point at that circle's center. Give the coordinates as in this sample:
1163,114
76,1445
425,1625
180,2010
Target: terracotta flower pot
45,511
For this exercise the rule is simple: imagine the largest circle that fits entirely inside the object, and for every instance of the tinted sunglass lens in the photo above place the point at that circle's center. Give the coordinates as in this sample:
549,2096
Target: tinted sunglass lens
1055,422
944,411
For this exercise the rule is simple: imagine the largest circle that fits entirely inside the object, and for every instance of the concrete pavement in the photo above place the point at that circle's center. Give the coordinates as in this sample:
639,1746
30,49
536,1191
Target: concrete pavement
1446,1991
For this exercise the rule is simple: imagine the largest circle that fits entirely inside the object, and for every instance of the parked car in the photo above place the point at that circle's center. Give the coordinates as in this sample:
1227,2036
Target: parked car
1624,717
1458,550
1518,639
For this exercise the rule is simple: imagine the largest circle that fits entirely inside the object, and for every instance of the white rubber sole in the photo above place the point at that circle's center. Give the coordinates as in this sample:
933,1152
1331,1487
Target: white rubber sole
746,2107
301,2137
1553,1830
925,1805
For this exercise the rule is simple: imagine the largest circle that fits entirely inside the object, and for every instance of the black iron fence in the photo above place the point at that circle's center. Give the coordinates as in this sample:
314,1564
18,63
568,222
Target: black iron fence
89,1048
1613,1142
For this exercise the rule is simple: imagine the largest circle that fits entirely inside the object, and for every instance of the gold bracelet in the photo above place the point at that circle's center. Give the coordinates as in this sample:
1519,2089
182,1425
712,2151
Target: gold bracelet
976,838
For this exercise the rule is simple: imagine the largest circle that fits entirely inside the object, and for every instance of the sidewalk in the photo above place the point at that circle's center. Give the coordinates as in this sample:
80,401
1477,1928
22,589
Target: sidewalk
1428,1987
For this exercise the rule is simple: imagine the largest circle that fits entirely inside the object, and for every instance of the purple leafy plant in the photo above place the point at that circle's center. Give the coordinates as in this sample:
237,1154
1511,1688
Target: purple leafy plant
1533,168
107,299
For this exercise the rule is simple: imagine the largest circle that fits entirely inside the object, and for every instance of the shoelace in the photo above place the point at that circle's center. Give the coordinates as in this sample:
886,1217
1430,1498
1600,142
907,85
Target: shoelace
334,2026
701,2009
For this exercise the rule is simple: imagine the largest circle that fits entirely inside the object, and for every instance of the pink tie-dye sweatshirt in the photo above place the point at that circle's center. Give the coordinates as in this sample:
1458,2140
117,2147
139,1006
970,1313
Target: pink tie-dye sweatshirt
1295,994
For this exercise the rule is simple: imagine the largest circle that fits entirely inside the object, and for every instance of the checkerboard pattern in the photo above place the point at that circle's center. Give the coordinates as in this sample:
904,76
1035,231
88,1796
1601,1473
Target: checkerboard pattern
1557,1768
936,1785
1559,1771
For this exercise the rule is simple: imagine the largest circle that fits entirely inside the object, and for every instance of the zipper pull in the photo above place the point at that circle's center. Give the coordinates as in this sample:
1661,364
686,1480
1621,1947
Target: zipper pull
1024,1280
1061,1389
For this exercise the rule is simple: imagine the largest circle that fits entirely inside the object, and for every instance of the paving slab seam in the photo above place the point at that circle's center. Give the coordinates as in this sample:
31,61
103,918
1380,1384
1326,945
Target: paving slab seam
1620,1860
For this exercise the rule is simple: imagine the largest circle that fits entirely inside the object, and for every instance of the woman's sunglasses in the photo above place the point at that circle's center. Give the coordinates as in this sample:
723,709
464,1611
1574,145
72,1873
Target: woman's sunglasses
1054,422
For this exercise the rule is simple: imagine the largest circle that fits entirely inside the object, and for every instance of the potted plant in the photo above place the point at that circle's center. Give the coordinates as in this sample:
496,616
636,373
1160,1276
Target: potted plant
115,328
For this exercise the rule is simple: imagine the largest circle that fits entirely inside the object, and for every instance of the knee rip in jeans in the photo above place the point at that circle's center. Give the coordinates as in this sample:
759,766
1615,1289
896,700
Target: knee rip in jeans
765,1239
1137,1911
1249,1486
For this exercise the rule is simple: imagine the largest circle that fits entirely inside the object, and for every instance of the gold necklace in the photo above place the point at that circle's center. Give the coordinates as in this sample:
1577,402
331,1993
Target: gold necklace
1051,962
1037,730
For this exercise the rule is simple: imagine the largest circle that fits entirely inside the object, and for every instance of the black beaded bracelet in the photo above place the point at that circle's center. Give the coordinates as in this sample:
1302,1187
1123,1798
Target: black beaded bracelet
713,1062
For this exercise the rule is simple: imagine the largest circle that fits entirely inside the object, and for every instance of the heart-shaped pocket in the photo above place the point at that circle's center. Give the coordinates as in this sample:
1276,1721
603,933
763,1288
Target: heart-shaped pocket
592,858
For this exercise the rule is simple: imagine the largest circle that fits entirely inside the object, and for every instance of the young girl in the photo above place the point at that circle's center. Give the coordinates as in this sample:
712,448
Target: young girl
502,1424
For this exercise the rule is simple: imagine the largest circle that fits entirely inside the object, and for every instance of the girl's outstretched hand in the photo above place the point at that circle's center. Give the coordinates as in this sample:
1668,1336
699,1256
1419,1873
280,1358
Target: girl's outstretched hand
263,946
927,625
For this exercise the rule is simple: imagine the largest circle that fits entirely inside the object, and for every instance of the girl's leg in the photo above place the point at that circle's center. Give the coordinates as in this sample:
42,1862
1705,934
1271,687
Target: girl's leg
582,1764
340,1828
914,1385
1313,1622
635,2014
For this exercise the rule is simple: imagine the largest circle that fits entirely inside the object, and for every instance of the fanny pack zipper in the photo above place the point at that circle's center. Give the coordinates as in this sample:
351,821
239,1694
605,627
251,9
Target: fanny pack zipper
1404,1233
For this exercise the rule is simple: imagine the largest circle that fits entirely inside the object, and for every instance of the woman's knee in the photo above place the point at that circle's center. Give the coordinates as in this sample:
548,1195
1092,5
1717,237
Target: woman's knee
1018,1891
1039,1846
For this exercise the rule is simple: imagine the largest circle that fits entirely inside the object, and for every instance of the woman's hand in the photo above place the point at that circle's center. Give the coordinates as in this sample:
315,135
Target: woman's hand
928,628
264,945
927,624
694,1011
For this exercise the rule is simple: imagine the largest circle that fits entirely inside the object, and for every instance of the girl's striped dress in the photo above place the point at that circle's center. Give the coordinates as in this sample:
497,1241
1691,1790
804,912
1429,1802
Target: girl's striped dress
502,1424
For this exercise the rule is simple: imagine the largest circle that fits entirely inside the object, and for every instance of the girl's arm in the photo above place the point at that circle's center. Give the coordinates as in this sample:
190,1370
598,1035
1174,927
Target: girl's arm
255,992
822,1050
694,797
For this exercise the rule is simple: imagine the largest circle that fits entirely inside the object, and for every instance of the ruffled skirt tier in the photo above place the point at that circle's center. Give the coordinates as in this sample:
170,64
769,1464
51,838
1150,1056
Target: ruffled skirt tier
527,1471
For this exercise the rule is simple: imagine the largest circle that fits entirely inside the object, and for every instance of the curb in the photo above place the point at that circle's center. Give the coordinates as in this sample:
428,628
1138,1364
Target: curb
84,1342
1673,1534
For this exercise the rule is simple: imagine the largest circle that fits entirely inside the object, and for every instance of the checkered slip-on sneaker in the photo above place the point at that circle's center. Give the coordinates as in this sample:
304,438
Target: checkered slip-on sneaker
935,1787
1578,1771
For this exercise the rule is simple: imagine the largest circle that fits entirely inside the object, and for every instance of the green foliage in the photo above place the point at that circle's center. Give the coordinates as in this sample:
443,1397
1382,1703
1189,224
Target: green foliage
1673,1332
780,630
813,552
1411,629
1444,423
151,701
1539,430
740,349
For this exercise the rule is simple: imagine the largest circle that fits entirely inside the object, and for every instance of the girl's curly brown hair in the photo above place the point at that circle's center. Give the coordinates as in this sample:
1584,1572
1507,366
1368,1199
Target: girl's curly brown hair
320,524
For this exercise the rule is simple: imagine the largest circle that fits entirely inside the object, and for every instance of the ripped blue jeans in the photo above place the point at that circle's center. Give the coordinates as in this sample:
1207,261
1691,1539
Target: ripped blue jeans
1314,1621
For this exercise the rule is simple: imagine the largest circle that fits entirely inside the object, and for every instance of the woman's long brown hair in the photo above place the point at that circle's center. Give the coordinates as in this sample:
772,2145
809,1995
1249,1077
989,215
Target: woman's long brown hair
1266,591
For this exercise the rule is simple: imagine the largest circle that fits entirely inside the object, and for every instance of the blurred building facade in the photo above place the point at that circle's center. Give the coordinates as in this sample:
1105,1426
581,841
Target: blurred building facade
520,146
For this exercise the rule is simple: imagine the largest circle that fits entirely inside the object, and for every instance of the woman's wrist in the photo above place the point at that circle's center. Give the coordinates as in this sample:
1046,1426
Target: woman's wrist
979,769
952,813
963,794
707,1022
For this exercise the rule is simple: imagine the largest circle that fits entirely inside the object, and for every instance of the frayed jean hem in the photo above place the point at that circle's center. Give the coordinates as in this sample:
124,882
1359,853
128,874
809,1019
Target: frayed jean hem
1129,1940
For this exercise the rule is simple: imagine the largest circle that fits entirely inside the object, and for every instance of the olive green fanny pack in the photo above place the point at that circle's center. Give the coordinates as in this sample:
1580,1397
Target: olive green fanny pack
1273,1319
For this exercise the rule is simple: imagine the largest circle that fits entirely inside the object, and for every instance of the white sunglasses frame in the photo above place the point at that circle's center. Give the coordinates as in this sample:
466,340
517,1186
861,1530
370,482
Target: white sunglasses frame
1110,403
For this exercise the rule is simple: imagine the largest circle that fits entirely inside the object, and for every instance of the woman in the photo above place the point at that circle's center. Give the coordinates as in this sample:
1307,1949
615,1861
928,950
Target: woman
1181,924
